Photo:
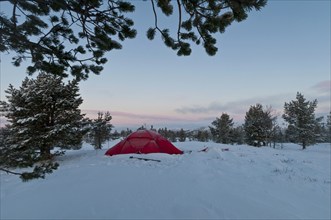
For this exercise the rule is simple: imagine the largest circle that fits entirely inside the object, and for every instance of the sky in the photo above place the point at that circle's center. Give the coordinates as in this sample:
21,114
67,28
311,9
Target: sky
275,53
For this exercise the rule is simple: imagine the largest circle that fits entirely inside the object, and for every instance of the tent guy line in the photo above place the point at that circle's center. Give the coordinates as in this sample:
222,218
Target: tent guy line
145,159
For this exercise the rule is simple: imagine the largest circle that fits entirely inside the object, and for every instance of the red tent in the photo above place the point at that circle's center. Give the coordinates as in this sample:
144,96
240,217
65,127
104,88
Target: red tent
143,142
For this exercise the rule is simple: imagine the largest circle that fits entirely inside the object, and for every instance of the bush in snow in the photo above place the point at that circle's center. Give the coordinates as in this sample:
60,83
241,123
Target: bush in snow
42,114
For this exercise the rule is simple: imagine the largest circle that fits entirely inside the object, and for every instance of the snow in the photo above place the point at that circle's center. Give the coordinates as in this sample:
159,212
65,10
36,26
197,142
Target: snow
241,183
25,120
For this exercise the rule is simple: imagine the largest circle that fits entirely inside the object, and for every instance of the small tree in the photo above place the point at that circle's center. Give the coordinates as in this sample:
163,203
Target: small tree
100,129
238,135
172,136
116,135
125,133
181,135
258,125
201,135
42,114
164,132
300,115
222,128
276,135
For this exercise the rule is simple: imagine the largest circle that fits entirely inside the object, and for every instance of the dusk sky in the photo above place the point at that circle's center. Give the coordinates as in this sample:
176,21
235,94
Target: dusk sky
275,53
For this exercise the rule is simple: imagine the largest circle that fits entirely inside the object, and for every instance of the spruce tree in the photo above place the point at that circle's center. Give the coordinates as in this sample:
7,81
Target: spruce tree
164,132
100,130
172,136
4,160
258,126
61,36
304,126
181,135
238,135
277,135
115,135
125,133
222,129
42,114
201,135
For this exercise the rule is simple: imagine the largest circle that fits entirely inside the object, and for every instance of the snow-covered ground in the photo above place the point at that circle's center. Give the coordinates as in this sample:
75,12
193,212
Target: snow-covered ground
241,183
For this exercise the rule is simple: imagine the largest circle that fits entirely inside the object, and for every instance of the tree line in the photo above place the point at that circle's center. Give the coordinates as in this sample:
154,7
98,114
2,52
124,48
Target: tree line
261,127
45,120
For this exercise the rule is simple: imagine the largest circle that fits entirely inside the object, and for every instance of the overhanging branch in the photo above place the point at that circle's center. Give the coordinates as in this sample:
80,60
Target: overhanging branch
10,172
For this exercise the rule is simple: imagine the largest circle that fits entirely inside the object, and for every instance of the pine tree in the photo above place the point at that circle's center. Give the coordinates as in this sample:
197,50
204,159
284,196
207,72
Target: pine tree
172,136
164,132
238,135
4,147
42,114
222,129
152,128
60,36
100,130
181,135
201,135
276,135
116,135
290,135
125,133
299,114
258,125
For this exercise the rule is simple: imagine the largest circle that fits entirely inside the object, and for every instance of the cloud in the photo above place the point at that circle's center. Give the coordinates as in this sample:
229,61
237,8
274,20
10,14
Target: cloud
197,109
199,115
93,114
235,107
322,90
122,120
323,86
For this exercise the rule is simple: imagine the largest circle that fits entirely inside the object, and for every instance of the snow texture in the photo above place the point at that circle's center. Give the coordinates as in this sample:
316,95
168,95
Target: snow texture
242,182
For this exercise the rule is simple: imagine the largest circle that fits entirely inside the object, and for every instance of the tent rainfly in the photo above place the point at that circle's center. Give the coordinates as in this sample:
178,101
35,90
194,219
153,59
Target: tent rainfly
143,142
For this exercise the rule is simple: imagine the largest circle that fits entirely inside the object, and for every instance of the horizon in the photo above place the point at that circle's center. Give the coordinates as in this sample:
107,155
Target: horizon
169,124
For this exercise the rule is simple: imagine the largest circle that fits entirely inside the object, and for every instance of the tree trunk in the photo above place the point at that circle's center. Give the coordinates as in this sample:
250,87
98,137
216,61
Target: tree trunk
45,153
99,142
303,145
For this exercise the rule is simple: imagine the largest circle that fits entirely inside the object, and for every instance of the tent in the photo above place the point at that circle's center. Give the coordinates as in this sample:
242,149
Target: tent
143,142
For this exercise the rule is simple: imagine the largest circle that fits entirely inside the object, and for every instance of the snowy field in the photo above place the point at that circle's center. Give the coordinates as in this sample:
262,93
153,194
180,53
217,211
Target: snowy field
241,183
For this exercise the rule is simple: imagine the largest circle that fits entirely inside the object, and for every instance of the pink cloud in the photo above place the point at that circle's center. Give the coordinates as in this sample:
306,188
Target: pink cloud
324,86
131,119
93,114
